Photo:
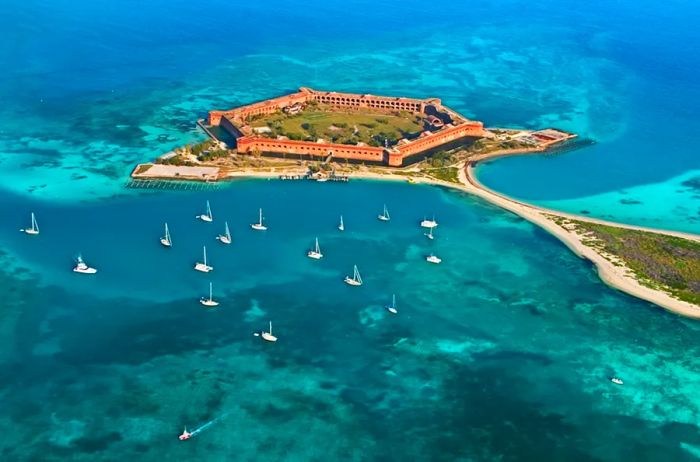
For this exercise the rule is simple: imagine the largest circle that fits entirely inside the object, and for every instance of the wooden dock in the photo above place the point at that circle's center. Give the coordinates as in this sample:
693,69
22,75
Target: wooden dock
179,185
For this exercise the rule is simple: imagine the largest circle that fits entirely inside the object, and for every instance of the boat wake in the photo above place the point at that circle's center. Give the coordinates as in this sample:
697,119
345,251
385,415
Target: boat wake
187,435
203,427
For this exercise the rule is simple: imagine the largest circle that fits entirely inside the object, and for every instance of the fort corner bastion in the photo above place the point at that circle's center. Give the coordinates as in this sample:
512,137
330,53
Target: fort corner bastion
436,125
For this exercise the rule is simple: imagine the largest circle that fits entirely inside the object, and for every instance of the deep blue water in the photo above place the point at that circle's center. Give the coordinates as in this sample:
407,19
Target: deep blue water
502,352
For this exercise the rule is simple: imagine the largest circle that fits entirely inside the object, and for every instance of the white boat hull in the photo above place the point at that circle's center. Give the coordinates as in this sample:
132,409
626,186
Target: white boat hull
203,268
428,224
351,282
268,337
85,270
382,218
433,259
314,255
209,303
391,310
32,232
258,227
165,242
206,218
224,239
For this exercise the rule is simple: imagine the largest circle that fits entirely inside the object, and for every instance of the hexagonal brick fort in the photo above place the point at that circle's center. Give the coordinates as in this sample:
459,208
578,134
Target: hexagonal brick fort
445,127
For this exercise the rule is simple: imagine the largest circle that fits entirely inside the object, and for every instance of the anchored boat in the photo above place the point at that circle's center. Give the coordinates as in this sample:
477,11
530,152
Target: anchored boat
34,230
385,215
432,258
208,217
267,336
166,240
315,253
82,267
356,279
392,308
259,226
226,237
429,223
209,301
203,266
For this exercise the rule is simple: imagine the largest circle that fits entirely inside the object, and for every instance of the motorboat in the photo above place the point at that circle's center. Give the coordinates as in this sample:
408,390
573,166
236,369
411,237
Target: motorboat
432,258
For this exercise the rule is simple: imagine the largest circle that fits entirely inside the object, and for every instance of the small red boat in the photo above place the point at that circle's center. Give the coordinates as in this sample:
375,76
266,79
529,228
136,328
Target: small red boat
185,435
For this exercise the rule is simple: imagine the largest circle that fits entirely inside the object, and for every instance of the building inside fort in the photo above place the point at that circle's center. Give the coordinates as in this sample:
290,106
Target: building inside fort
439,127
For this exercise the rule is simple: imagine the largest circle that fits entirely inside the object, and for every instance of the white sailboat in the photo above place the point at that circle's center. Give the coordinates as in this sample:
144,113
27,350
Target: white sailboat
341,226
385,215
34,230
203,267
226,237
209,301
356,279
166,240
259,226
392,308
432,258
429,234
429,223
267,336
315,253
208,217
82,267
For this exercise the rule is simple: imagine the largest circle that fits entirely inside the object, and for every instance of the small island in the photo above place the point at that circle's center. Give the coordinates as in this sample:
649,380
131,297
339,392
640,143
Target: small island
323,135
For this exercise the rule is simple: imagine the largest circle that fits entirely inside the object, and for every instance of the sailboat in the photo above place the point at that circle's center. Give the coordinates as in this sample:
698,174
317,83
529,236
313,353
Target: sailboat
203,267
385,215
208,217
429,234
226,237
356,279
209,301
429,223
341,226
82,267
267,336
34,229
315,253
432,258
392,308
166,240
259,226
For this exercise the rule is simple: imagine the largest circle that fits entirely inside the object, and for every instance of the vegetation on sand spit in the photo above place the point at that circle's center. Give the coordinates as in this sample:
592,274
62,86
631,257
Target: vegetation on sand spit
658,261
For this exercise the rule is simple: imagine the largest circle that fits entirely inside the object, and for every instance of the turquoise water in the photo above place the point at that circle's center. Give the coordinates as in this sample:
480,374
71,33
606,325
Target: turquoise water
502,352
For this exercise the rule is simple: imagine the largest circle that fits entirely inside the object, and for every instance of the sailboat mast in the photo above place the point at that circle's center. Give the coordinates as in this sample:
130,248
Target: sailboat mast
205,254
210,291
270,327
